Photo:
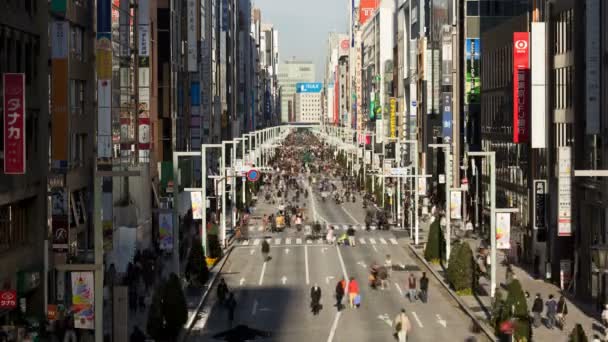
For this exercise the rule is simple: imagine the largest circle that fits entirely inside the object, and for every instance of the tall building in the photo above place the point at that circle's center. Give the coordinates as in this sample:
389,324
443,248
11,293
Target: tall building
24,158
307,102
292,72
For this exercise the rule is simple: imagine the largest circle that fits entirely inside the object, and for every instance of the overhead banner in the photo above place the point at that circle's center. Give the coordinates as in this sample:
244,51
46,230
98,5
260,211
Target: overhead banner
165,231
540,204
538,98
83,300
366,10
564,200
521,88
473,71
14,123
456,205
393,117
503,230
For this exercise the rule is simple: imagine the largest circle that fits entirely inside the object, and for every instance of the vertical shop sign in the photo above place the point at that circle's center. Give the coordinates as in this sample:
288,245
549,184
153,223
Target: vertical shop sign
503,230
192,45
456,205
447,115
83,300
564,202
165,230
473,68
593,61
393,117
540,193
14,123
521,81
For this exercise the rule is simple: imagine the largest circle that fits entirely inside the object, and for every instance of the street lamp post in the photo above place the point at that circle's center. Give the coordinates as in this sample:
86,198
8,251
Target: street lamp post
447,150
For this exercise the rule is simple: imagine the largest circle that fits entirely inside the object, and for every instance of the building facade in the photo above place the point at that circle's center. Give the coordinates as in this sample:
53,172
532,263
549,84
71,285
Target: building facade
290,73
308,102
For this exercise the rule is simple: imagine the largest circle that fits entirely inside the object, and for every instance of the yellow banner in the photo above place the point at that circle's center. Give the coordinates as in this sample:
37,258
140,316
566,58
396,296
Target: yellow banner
393,117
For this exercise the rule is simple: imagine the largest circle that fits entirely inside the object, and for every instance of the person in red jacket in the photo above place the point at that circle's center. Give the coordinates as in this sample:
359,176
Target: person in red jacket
353,291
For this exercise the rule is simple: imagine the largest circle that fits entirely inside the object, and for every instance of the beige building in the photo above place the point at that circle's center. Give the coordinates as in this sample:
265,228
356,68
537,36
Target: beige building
308,107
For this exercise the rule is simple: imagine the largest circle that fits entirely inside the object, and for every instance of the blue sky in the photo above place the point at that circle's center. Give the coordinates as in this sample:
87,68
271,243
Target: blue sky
303,26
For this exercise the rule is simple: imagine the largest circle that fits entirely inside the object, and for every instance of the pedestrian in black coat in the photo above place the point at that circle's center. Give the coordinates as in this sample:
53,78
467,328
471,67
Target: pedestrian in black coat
315,299
339,294
222,291
424,288
537,309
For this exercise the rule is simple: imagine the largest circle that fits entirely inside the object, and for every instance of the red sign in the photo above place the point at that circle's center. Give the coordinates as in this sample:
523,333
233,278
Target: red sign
367,9
521,87
14,123
8,299
51,312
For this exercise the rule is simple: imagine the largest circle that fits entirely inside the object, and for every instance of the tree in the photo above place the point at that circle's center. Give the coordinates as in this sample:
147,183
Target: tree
516,307
197,265
578,334
175,312
215,248
435,245
460,268
498,306
155,323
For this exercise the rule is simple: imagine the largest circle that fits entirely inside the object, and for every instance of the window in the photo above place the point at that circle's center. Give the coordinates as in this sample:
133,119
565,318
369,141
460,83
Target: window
77,88
78,143
13,225
472,8
77,42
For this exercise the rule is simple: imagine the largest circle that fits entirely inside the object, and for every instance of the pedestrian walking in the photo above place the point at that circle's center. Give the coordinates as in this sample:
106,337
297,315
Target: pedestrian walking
351,236
265,250
605,321
551,312
562,311
231,303
330,236
315,299
402,326
353,291
340,287
537,310
424,288
411,281
222,291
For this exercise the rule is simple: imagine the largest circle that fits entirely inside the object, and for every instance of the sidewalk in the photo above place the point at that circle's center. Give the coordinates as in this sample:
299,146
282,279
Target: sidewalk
481,303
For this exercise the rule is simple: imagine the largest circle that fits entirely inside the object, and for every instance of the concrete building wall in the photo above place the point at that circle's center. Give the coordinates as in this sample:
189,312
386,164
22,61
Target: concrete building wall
290,73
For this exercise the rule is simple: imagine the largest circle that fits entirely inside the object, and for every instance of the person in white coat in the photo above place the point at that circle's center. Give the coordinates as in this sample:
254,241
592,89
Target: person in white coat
402,326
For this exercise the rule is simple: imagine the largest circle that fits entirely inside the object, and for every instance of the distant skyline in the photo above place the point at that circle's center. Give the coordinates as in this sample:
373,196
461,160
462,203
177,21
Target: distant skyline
304,27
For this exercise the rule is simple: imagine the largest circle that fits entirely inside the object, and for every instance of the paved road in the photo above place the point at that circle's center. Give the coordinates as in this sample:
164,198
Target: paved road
275,296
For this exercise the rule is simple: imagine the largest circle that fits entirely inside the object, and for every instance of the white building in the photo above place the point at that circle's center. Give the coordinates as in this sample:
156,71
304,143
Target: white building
290,73
308,106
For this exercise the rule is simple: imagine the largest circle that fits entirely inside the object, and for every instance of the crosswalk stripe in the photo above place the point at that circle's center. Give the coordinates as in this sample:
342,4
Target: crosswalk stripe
383,241
362,241
288,241
309,242
298,241
277,241
373,227
373,241
269,241
355,227
320,241
307,227
245,243
345,227
393,241
256,242
260,228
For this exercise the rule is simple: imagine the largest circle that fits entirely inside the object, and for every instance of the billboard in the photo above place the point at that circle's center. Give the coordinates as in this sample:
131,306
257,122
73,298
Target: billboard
165,230
564,189
538,104
472,72
540,203
83,300
393,117
192,44
503,230
593,66
306,87
367,9
456,205
521,88
446,121
14,123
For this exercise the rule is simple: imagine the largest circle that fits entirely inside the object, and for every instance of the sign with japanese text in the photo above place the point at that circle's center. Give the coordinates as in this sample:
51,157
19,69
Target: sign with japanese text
564,188
14,123
192,44
540,193
521,89
393,116
8,299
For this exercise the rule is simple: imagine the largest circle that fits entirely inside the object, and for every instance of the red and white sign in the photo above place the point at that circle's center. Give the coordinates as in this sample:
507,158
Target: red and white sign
8,299
367,9
14,123
521,87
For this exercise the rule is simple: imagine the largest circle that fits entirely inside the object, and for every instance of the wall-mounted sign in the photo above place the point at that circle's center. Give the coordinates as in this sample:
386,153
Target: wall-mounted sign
540,195
564,200
521,88
14,123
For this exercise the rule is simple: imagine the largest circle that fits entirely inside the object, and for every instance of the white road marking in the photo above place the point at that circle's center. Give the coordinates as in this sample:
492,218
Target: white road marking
284,280
386,319
362,264
320,241
309,242
351,216
298,241
417,319
277,241
345,227
255,307
383,241
399,289
362,241
372,240
262,274
442,322
241,281
260,228
306,261
288,241
327,279
251,251
245,243
334,326
375,249
393,241
256,242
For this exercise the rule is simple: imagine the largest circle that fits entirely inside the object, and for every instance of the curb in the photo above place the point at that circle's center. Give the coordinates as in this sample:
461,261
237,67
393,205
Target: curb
484,328
215,271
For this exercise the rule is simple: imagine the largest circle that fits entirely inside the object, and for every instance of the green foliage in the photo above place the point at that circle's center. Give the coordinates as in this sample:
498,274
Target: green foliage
197,265
498,308
215,248
155,322
578,334
460,268
435,245
175,312
516,300
523,330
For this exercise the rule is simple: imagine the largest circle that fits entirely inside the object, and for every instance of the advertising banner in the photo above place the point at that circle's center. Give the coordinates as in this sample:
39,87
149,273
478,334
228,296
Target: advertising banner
538,100
446,59
393,117
447,115
8,299
540,206
83,300
521,87
14,123
60,31
503,230
165,230
472,72
592,65
564,200
366,9
196,198
192,43
422,186
456,205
